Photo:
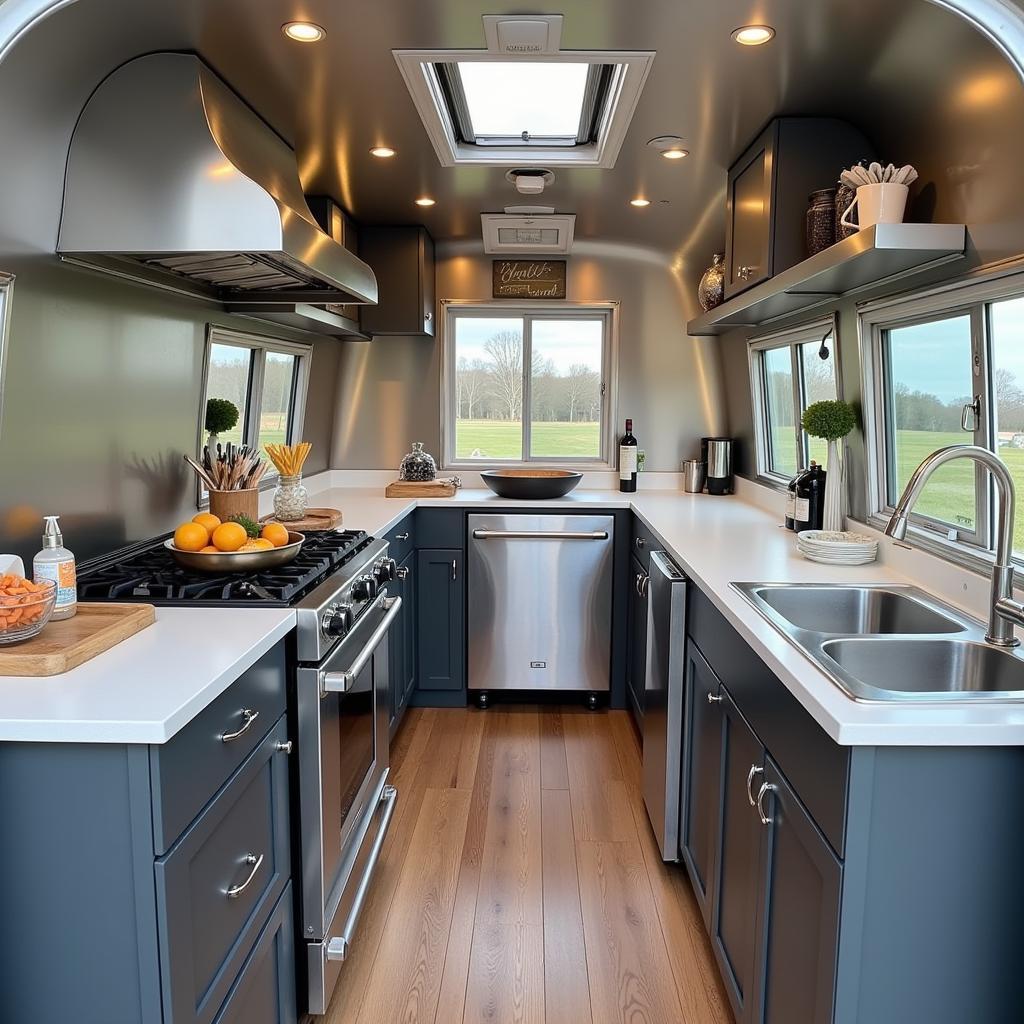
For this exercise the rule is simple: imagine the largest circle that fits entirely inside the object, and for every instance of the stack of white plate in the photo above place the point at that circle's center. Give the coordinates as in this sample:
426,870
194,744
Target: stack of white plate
835,547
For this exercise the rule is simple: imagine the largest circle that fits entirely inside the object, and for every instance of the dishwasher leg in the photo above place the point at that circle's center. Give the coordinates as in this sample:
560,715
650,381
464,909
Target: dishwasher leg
483,700
592,701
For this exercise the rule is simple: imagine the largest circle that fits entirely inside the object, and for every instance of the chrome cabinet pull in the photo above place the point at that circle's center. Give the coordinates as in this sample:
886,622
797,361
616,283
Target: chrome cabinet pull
285,746
339,946
714,698
640,542
248,717
755,769
743,273
766,787
342,682
455,569
236,890
641,585
539,535
402,573
401,536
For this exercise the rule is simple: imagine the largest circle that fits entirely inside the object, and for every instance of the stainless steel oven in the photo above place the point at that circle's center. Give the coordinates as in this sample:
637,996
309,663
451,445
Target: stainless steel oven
345,801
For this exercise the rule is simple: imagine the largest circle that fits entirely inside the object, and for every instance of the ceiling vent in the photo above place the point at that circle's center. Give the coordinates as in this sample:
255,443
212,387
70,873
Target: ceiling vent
544,235
519,34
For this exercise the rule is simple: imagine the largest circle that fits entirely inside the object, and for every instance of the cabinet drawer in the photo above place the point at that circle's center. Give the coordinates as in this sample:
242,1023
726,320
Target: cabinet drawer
440,528
265,990
402,538
216,886
188,770
817,768
642,542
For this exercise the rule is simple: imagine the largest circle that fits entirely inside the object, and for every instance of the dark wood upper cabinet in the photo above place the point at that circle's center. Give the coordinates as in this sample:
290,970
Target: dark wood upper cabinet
767,191
403,260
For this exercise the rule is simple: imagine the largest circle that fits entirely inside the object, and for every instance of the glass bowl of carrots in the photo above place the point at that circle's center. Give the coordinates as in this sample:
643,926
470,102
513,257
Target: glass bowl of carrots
25,607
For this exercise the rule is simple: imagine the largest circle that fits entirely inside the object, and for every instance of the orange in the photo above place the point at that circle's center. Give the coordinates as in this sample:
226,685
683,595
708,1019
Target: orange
260,544
209,550
276,534
190,537
229,537
208,521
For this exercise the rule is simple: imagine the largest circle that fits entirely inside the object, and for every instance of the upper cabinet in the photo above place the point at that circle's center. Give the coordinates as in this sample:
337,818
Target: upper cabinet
767,193
403,260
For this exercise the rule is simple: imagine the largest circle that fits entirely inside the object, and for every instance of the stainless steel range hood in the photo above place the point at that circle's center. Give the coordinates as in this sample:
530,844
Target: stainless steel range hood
174,181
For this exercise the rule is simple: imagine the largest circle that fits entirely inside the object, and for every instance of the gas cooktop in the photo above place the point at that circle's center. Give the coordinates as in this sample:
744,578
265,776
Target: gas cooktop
148,572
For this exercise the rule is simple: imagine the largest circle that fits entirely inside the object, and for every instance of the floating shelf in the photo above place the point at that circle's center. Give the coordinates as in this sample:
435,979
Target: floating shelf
880,253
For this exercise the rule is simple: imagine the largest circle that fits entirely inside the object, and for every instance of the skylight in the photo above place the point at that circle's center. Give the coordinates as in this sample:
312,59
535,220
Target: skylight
505,99
496,110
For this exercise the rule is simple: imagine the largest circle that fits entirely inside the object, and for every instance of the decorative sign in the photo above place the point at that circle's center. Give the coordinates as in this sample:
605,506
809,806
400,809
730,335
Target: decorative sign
528,279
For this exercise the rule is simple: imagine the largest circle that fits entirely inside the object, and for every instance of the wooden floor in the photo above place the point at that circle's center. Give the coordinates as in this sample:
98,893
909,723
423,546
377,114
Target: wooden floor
520,882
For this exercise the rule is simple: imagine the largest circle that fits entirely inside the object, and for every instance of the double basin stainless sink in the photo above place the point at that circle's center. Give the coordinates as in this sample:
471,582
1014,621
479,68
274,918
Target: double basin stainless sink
889,643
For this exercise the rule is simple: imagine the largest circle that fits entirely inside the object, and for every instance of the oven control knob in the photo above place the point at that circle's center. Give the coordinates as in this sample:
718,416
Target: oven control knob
364,588
337,621
384,570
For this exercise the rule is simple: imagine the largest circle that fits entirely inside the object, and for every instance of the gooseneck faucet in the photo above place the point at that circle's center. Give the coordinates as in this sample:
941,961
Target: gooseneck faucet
1004,611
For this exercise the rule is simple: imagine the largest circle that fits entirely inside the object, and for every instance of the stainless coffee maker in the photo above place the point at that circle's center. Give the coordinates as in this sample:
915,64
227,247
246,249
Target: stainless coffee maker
716,453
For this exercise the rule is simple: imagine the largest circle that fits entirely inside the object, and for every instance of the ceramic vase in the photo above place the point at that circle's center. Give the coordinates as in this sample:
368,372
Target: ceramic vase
833,516
711,290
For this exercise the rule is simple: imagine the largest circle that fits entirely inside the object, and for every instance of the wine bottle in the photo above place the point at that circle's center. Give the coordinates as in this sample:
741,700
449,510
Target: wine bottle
627,459
810,499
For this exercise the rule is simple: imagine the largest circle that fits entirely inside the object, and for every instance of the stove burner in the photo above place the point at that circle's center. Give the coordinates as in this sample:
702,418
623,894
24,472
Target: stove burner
150,574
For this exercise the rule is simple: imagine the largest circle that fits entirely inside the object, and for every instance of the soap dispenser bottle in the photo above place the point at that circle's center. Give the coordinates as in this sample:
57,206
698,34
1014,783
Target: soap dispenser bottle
56,563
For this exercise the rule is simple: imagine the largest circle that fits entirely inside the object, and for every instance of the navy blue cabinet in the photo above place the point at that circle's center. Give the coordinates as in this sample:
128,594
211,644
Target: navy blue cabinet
636,667
441,620
702,756
156,887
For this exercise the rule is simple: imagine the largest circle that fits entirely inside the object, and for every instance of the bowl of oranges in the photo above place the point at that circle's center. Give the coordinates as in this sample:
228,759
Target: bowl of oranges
238,545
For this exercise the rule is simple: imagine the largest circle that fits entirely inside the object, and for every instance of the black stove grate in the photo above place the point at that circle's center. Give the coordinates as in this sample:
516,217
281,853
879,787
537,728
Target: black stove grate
149,573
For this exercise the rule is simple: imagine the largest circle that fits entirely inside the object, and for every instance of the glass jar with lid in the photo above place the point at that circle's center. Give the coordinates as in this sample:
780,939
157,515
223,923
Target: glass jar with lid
418,465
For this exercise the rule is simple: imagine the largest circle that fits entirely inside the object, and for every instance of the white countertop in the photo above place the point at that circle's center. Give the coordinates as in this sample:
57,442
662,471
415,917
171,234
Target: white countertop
150,686
147,687
717,541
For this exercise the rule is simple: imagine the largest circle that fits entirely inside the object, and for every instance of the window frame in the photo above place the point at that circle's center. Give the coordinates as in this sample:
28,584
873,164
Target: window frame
792,338
974,296
6,301
611,123
260,346
531,310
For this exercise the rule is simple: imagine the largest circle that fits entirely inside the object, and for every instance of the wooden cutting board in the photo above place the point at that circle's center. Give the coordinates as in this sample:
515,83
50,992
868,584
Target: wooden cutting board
316,519
66,644
420,489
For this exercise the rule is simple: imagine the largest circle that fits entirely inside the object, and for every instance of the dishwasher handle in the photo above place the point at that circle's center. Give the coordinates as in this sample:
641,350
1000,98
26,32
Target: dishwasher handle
539,535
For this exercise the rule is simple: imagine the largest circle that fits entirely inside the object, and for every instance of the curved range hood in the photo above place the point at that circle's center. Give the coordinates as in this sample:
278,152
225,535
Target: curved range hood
174,181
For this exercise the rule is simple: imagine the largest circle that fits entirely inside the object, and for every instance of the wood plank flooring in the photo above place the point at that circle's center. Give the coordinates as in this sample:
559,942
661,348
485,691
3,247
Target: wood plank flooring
520,883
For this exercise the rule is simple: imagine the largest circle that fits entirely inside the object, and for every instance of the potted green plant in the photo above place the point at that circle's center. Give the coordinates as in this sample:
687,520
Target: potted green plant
831,420
220,415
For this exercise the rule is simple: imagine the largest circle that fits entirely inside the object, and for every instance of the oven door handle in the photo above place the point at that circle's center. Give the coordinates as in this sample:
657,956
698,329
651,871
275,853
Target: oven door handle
338,947
342,682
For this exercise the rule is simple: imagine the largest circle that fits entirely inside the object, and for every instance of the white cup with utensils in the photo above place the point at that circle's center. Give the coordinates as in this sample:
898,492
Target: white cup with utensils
883,203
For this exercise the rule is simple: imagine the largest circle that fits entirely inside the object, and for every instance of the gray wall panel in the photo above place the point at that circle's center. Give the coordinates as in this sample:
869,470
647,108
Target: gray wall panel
670,384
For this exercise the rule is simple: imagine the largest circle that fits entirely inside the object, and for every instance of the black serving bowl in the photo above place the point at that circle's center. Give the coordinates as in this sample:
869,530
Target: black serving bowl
531,484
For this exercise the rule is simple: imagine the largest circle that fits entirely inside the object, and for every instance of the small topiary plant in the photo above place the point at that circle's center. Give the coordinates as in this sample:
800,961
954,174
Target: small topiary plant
221,415
830,420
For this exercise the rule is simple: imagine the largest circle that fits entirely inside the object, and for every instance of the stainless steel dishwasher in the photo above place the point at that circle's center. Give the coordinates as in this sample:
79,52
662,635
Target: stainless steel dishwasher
663,701
540,603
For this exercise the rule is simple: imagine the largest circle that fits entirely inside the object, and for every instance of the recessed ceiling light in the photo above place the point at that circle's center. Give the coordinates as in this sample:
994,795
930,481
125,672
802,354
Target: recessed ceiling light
753,35
669,146
382,151
303,31
425,201
639,202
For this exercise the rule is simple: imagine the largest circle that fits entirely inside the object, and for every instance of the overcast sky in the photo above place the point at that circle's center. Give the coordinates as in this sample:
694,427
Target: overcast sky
562,341
936,358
